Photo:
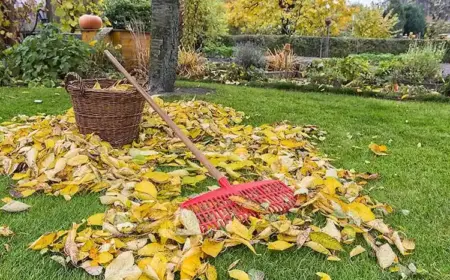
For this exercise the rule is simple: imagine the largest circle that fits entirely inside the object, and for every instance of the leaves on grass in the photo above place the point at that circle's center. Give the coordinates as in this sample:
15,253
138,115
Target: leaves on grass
238,274
325,240
96,219
144,233
122,267
212,248
379,150
357,250
279,245
248,204
323,276
15,206
386,256
5,231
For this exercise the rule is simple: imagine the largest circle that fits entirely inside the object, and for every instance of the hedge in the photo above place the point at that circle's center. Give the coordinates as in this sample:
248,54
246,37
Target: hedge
339,46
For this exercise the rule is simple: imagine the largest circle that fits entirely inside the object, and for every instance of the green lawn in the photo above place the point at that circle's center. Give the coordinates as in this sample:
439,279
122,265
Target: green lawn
412,178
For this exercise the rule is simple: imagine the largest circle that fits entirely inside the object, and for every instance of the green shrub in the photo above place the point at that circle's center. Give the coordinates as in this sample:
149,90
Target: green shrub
374,58
232,73
121,12
45,58
352,70
249,55
218,51
6,78
421,63
98,65
339,46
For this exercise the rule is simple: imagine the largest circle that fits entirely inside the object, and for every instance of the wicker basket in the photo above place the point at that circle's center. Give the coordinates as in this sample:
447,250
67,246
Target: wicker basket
113,115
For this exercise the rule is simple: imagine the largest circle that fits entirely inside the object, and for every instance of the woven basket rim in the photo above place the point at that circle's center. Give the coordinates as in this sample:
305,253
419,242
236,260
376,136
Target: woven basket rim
72,87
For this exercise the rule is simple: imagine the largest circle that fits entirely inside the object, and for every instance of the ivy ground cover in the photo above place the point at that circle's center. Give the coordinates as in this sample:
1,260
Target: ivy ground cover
413,179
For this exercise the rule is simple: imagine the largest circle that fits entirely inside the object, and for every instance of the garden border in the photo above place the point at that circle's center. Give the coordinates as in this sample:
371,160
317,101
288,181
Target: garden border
289,86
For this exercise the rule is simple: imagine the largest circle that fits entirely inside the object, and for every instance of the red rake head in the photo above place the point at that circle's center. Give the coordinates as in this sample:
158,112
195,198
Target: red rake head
215,210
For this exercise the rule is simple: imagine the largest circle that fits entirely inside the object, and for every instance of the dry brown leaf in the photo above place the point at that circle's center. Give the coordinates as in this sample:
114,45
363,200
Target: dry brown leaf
15,206
386,256
70,248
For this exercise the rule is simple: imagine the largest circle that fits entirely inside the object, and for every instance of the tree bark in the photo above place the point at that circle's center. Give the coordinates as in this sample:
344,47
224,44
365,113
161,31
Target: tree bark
164,45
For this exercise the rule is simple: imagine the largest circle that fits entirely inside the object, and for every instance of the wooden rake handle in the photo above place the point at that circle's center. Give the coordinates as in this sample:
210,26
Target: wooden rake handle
198,154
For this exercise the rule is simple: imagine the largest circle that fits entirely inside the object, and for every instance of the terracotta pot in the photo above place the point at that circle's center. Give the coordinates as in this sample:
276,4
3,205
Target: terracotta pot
90,22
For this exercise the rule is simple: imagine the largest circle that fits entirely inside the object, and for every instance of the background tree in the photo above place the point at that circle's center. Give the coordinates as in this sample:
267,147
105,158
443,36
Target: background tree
164,45
438,9
398,9
203,22
305,17
13,13
371,22
415,20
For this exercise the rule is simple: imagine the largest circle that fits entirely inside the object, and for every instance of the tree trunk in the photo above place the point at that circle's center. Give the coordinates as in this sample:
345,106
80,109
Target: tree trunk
49,8
164,45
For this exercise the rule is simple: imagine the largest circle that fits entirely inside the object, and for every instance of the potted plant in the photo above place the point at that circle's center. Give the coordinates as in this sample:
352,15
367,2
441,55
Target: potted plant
130,20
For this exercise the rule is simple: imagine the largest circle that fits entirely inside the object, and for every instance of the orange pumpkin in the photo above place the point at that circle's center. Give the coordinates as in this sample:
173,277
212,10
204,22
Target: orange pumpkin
90,22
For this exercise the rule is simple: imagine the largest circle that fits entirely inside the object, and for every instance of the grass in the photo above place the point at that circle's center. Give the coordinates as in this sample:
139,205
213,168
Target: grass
412,178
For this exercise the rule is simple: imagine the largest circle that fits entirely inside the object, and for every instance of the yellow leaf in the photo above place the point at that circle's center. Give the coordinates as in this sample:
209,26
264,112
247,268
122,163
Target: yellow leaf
325,240
193,180
237,228
43,242
238,274
157,177
77,160
356,251
211,272
211,247
96,219
379,150
247,204
49,143
19,176
191,265
323,276
361,211
146,187
317,247
239,240
334,259
150,250
279,245
27,193
331,184
289,143
159,263
104,257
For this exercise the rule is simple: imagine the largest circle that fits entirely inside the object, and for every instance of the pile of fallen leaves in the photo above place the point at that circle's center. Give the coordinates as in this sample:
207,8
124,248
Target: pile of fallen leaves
144,234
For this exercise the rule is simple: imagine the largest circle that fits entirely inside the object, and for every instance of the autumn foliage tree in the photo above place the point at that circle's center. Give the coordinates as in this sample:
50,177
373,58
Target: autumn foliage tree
203,22
303,17
372,22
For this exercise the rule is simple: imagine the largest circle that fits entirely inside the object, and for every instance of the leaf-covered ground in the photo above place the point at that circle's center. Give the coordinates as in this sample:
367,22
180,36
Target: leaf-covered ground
414,179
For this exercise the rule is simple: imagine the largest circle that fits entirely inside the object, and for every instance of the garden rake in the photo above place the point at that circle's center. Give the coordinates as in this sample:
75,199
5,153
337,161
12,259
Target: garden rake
214,209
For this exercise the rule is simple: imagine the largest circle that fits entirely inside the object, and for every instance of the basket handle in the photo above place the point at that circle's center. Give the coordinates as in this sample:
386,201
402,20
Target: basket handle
71,76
